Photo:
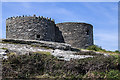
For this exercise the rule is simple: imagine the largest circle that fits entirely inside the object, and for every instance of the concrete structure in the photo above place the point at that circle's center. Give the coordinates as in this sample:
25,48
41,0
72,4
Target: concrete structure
39,28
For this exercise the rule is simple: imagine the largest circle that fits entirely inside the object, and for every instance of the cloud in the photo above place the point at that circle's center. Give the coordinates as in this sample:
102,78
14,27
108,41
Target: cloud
108,40
26,5
103,11
60,0
105,37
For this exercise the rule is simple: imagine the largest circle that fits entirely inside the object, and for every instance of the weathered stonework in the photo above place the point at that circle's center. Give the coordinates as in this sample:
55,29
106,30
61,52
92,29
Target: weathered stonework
34,28
77,34
39,28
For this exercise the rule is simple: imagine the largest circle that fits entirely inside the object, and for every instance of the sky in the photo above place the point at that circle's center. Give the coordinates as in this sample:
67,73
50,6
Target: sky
102,15
60,0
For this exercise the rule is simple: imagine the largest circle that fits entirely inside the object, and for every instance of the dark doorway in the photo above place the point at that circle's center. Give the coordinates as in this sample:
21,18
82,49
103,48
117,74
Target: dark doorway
87,32
38,36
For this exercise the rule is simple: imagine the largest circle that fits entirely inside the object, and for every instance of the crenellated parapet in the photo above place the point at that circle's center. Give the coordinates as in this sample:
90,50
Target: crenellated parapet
30,27
34,27
30,17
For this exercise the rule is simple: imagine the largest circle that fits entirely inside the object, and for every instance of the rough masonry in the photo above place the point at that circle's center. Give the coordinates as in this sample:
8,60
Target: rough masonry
77,34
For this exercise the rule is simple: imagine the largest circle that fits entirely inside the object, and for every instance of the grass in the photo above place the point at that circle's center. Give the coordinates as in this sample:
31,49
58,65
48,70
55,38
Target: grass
46,76
8,42
63,77
111,74
12,53
43,52
97,48
42,65
117,60
45,47
4,48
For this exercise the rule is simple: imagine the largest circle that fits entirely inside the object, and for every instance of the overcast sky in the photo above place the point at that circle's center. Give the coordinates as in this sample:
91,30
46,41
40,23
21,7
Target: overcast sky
103,16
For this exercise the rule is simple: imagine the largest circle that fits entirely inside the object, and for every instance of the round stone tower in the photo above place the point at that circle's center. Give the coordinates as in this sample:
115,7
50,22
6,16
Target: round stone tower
30,27
77,34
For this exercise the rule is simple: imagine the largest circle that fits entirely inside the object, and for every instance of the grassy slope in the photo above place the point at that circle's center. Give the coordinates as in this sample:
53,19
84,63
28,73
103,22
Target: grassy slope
44,65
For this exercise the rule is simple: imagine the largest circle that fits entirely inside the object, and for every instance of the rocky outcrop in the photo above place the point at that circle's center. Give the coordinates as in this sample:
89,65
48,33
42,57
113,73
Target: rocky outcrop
60,50
53,45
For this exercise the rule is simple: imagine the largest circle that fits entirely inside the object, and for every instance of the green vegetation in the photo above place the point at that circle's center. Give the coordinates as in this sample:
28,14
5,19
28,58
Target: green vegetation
117,51
95,48
43,52
11,54
4,48
33,45
8,42
99,49
43,65
111,74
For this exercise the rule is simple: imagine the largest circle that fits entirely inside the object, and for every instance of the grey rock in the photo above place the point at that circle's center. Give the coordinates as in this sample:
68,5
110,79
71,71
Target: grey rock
53,45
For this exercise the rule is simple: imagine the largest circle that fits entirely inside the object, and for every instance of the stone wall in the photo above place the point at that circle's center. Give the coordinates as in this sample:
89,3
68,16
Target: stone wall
77,34
39,28
58,36
30,27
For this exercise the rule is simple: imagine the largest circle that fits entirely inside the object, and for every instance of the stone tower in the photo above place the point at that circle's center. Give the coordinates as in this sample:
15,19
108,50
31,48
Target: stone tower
77,34
30,27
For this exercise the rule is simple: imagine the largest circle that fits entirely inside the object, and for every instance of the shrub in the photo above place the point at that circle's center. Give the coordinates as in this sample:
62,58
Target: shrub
117,51
95,48
40,63
113,74
99,48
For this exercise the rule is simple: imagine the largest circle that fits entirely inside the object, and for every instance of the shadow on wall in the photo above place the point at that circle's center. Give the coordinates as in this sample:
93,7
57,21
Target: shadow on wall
58,35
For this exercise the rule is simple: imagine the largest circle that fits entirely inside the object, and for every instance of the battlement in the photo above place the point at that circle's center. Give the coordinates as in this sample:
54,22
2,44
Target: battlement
44,29
30,27
30,17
